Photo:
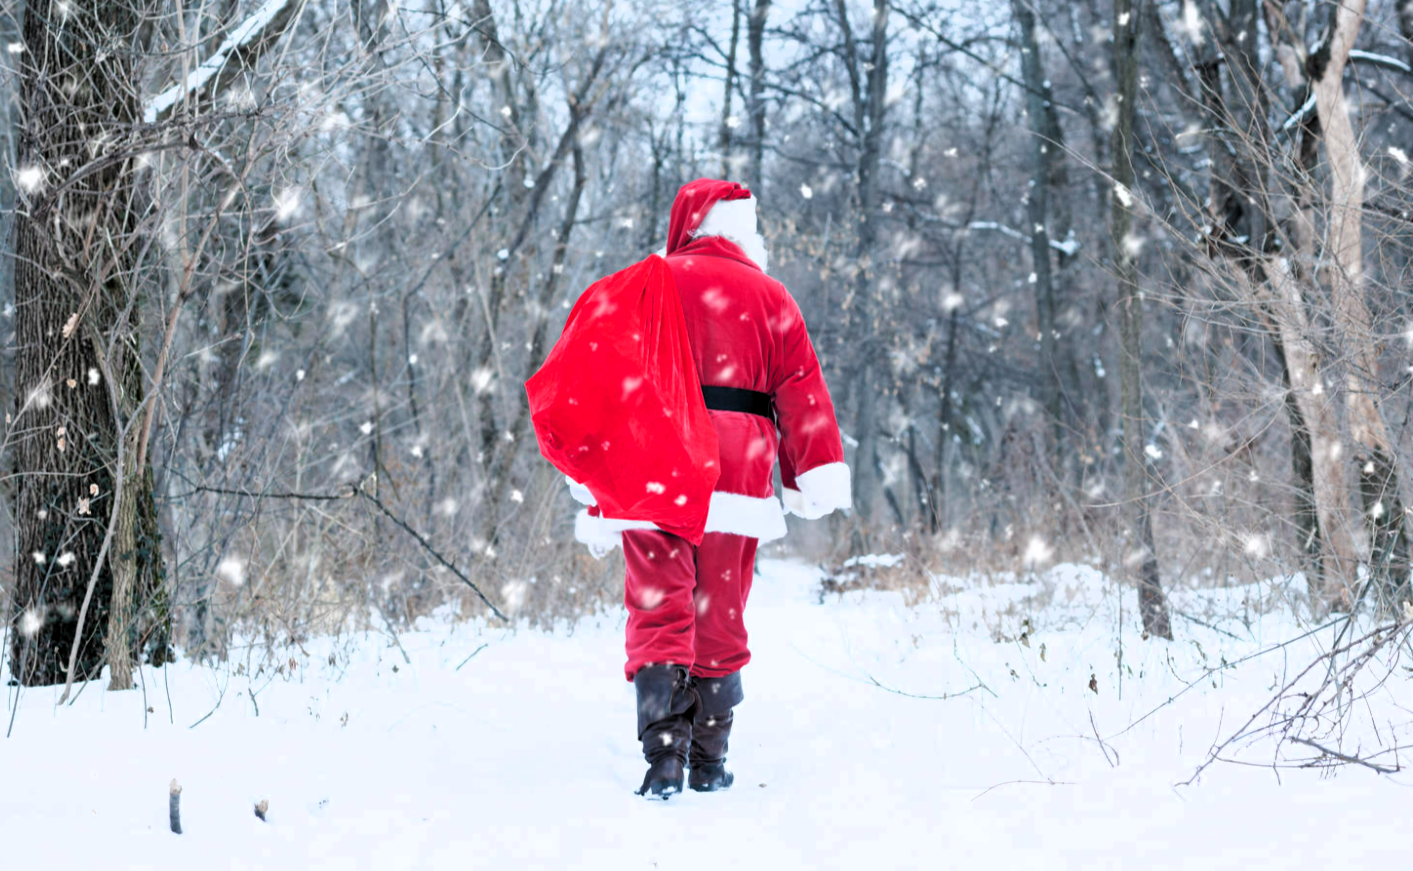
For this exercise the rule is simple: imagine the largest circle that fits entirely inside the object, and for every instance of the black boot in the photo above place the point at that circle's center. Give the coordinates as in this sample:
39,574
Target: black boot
666,705
710,731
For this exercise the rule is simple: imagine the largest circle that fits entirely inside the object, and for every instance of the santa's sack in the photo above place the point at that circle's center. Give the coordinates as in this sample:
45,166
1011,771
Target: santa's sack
618,405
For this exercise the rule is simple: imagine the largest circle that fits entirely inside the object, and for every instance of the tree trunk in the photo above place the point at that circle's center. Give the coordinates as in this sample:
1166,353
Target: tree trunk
869,107
1153,604
1038,213
755,36
1373,447
76,299
727,121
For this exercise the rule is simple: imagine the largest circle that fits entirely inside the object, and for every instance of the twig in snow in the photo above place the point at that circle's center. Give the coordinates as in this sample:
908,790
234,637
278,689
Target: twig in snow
174,806
1354,760
1009,782
1114,763
468,659
942,698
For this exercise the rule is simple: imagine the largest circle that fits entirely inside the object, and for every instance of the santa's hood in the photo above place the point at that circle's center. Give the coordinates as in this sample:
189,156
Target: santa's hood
711,207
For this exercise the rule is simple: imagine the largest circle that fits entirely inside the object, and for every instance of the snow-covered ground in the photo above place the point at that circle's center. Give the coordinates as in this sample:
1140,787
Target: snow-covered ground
524,756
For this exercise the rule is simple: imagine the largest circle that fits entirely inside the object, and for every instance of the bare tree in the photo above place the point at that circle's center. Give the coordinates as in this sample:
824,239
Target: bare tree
1138,515
78,350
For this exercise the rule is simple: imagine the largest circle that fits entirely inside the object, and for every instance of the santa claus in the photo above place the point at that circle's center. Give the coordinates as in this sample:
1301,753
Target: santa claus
765,397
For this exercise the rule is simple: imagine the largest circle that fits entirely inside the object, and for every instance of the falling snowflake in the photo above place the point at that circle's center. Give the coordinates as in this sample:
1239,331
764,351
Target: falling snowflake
31,623
1037,552
30,178
286,204
232,570
481,380
655,487
806,191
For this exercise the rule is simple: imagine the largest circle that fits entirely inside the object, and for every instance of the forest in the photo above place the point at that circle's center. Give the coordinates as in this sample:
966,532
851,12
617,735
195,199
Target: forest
1116,284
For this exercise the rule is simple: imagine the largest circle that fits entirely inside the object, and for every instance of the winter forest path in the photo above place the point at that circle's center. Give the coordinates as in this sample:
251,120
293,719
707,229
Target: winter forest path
524,757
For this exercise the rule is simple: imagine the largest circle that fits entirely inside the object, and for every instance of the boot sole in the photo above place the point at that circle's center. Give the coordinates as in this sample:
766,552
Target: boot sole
661,792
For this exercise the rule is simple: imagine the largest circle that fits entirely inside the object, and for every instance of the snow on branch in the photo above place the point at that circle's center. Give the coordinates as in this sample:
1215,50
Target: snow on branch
1000,228
1300,115
1381,60
248,32
1069,246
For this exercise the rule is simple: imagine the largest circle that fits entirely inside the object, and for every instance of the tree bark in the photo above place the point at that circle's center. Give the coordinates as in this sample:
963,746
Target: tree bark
1038,104
1373,447
76,298
728,91
1153,605
869,111
755,37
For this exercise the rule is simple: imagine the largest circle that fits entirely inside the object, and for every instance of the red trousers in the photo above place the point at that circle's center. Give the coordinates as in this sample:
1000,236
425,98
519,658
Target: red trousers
686,603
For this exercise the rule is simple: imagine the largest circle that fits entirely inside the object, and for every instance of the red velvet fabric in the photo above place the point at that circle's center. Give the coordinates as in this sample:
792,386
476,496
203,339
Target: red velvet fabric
747,331
686,603
617,405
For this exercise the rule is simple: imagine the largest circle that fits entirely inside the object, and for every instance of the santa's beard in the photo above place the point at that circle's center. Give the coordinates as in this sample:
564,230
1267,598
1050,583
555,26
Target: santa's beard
735,221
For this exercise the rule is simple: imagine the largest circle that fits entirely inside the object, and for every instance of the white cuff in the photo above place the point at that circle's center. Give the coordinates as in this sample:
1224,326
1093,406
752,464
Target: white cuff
820,491
580,493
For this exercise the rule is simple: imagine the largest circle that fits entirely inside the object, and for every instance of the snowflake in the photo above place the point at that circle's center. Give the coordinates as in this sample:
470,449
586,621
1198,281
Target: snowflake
1037,551
30,178
231,569
286,204
31,623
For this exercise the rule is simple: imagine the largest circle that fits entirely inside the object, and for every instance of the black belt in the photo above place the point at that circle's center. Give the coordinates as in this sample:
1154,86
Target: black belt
736,399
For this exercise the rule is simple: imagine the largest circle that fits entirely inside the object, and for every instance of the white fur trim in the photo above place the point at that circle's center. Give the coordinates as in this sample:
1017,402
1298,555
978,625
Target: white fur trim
821,490
735,221
751,516
580,493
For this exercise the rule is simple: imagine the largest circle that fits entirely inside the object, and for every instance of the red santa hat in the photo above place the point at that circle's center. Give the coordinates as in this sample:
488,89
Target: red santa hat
694,202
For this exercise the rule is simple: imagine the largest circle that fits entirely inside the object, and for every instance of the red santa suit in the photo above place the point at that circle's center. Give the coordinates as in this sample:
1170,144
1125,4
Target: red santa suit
686,603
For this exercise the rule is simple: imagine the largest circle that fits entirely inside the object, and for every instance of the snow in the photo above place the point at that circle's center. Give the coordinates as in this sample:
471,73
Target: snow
246,31
959,731
875,560
1380,60
1299,116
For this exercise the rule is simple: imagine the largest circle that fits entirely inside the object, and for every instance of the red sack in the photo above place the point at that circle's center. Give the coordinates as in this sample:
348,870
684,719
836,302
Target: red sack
618,405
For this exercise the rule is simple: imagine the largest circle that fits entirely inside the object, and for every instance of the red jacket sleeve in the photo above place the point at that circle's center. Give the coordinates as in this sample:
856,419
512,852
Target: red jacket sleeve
812,468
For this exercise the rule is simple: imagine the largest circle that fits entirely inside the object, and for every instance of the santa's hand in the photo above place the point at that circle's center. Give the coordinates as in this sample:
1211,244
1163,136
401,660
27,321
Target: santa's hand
801,505
820,491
